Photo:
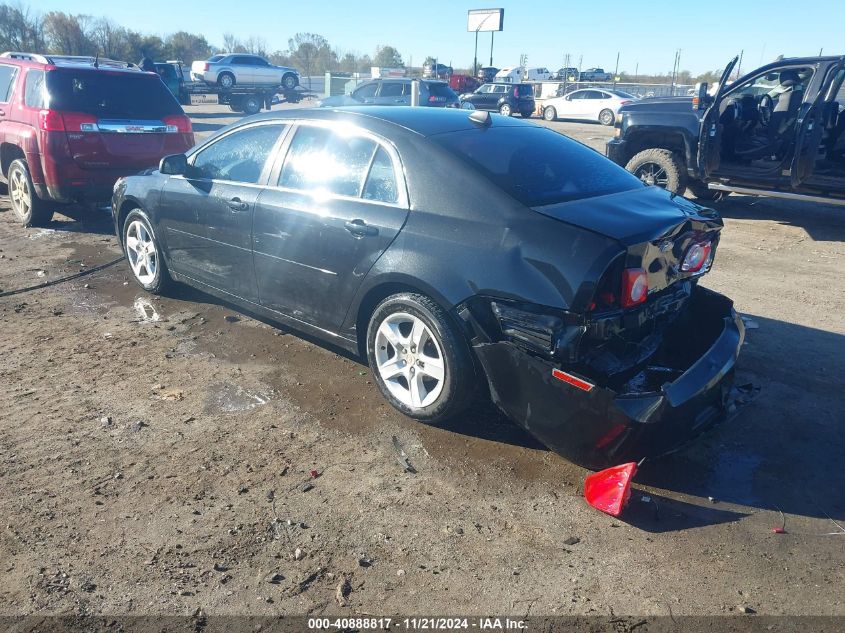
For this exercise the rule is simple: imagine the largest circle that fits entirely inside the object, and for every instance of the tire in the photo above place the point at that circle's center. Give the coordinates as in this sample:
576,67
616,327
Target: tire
400,315
660,167
29,209
549,113
606,117
252,105
697,189
151,274
526,114
289,81
226,80
505,110
236,107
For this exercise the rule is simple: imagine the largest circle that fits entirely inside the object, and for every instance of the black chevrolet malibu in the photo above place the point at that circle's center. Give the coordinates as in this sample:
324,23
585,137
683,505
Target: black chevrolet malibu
463,255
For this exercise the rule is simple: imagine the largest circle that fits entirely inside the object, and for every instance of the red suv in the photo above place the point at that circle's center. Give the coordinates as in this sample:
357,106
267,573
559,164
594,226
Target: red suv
71,126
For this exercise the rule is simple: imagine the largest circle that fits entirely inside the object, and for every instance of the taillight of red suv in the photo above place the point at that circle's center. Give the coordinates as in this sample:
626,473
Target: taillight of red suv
178,123
55,121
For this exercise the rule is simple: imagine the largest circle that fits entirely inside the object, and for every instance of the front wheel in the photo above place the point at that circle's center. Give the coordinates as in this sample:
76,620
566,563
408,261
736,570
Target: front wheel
606,117
289,82
505,109
549,113
421,361
660,167
699,190
143,252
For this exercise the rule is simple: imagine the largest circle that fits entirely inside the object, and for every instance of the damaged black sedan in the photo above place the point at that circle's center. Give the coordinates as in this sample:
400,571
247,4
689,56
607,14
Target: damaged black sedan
461,254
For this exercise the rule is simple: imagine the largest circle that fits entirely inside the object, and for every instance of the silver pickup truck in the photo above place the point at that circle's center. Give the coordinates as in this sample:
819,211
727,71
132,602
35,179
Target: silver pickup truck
228,71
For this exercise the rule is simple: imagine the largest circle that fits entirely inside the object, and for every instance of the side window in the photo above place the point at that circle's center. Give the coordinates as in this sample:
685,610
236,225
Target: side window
381,183
500,89
238,157
603,95
578,94
34,94
391,89
7,82
242,61
367,91
319,159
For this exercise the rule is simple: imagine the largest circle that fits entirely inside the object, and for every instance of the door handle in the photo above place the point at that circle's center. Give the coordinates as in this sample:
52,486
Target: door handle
2,113
236,204
359,228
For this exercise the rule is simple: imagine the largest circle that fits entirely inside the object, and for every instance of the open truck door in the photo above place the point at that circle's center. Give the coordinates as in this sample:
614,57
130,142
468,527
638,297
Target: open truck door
811,125
710,132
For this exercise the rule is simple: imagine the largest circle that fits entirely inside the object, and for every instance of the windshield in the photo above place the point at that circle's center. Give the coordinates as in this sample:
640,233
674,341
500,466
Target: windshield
537,166
110,95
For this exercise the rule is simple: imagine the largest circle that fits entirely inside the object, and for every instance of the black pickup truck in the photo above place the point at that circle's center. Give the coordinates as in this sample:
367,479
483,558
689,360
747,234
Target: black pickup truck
777,131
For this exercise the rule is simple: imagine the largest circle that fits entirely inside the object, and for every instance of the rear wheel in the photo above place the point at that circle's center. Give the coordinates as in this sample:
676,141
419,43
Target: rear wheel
421,361
606,117
143,252
505,109
236,106
28,207
660,167
549,113
226,80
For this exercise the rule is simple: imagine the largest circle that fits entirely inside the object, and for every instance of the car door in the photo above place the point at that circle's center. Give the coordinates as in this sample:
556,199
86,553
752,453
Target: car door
366,93
811,127
573,105
339,202
8,75
481,97
264,73
393,93
243,68
710,130
207,214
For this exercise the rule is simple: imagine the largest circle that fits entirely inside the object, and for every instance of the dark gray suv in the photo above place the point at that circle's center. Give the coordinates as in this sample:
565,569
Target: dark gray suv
392,92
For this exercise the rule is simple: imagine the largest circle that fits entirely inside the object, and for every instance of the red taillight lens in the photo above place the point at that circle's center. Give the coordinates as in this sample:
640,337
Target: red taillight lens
697,256
178,123
55,121
205,66
634,287
625,102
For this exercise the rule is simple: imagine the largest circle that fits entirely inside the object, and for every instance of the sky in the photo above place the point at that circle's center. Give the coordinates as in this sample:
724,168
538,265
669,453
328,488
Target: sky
645,34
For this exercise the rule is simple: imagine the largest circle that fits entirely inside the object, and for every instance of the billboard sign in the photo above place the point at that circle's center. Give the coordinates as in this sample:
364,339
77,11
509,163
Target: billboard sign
481,20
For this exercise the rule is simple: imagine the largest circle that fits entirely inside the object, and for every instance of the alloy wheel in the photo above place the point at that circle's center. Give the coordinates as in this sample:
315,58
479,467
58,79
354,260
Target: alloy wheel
652,174
409,360
141,251
505,110
20,194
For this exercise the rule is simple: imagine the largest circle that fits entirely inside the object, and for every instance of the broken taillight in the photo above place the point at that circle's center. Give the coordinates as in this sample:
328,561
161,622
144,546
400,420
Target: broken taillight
609,490
697,256
634,287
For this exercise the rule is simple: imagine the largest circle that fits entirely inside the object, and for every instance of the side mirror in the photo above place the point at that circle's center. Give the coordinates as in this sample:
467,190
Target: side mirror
174,165
699,100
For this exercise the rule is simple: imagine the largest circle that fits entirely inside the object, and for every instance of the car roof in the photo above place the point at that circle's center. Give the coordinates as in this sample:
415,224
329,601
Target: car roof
422,121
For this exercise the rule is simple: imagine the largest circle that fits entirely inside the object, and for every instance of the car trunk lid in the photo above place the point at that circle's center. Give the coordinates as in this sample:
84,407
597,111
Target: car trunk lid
115,119
657,230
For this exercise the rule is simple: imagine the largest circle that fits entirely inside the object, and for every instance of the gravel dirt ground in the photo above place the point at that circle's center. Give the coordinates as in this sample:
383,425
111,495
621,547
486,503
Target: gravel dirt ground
156,457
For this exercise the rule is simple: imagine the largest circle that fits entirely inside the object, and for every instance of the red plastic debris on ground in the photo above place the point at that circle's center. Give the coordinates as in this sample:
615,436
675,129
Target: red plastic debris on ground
314,474
609,490
778,530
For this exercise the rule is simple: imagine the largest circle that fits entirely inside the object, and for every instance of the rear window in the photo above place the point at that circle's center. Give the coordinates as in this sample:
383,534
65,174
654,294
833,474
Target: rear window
537,166
215,58
442,90
110,95
525,90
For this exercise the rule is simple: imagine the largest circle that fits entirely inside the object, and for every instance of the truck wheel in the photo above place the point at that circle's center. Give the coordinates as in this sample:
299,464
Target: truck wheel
606,117
660,167
699,190
252,105
226,80
236,107
289,81
29,209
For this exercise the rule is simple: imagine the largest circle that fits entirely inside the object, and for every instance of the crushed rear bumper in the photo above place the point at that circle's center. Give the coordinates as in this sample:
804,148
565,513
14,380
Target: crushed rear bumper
596,426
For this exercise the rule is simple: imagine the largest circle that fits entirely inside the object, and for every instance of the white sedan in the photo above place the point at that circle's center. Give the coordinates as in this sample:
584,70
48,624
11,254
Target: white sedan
593,104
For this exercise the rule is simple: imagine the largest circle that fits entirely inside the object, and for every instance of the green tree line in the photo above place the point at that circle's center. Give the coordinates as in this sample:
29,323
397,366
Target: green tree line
60,33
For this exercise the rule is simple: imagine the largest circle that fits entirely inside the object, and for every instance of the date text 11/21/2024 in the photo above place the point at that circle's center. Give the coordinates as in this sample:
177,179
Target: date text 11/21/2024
419,623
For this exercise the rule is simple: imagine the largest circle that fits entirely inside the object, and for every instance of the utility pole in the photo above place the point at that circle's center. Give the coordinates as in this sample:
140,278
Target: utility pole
636,72
475,57
492,33
616,72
